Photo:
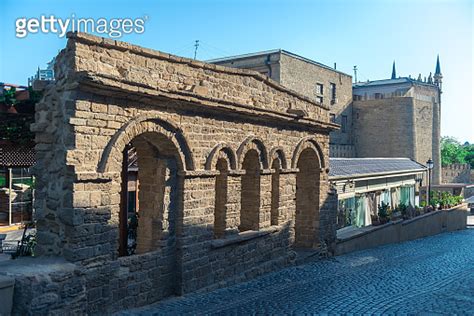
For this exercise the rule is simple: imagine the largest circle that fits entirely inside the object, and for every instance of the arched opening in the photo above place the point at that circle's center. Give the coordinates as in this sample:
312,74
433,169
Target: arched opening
275,202
152,223
250,192
220,202
307,199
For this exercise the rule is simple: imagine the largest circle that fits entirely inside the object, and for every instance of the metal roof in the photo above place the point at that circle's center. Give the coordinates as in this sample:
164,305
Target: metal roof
400,80
274,51
356,167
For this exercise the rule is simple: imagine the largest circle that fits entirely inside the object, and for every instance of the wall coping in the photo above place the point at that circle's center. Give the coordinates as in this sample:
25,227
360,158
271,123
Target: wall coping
147,52
243,236
400,221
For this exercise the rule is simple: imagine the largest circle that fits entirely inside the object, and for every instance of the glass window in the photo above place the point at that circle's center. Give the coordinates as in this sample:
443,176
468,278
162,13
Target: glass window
333,92
319,100
319,88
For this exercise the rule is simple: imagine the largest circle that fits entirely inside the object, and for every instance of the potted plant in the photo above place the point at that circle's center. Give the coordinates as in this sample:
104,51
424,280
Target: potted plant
384,213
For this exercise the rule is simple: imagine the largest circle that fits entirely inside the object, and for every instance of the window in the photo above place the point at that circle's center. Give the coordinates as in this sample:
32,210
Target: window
344,123
332,118
357,97
378,95
250,192
333,93
319,88
319,100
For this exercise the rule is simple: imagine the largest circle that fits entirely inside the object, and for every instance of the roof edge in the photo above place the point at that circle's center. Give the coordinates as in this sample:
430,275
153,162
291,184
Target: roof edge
275,51
152,53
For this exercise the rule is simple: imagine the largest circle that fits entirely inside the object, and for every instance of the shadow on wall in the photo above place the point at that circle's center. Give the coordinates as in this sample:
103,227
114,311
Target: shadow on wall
137,280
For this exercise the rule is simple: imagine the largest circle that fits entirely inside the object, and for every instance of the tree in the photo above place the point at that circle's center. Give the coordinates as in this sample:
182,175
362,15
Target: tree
470,155
452,151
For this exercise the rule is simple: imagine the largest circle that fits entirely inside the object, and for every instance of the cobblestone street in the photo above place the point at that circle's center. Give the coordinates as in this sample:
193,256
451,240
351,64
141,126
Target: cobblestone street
430,275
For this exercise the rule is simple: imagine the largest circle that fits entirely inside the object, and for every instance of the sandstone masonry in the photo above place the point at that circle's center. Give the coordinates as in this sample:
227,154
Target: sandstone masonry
232,169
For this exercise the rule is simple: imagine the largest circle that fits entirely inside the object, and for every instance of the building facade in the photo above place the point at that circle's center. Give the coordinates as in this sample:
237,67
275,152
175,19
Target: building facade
325,85
362,184
396,117
399,117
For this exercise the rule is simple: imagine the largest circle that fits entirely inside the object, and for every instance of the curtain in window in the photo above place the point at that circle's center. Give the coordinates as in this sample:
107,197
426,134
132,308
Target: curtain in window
407,195
395,196
370,208
386,197
360,210
350,209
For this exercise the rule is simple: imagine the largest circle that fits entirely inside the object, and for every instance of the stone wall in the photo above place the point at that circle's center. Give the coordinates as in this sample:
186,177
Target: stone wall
384,128
399,126
456,173
302,75
341,151
428,224
188,121
427,122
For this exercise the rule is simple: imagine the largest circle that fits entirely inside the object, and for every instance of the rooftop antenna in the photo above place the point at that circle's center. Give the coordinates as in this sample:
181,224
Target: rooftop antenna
355,74
196,45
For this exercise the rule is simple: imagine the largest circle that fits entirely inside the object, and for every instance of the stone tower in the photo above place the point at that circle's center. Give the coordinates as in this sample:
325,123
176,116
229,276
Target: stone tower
436,140
438,77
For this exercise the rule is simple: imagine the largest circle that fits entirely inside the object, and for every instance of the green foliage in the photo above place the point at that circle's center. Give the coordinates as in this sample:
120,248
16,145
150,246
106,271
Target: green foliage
452,151
402,208
8,96
384,211
16,128
444,199
470,154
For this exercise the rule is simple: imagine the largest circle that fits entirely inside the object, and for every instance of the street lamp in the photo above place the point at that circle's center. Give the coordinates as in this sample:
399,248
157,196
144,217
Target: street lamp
430,165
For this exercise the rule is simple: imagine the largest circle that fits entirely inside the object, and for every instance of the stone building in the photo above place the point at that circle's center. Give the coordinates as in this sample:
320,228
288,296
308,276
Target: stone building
232,178
399,117
317,81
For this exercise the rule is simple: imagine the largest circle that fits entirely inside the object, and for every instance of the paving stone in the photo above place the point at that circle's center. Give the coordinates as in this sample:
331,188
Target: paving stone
434,275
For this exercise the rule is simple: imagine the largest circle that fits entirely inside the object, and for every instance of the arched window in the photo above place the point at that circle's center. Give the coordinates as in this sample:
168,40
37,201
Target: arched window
250,192
151,222
307,199
220,202
275,202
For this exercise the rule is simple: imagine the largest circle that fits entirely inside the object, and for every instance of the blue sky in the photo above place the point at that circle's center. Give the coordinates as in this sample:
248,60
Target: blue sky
367,33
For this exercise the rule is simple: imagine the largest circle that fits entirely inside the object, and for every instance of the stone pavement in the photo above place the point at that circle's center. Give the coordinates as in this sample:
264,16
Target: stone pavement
430,275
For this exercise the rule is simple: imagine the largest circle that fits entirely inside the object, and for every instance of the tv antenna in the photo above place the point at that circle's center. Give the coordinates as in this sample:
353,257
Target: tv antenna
196,45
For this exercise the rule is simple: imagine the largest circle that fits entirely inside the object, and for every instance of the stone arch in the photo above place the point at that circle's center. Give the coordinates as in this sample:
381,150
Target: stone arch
156,224
112,153
304,143
221,150
221,197
278,153
250,191
308,187
253,143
